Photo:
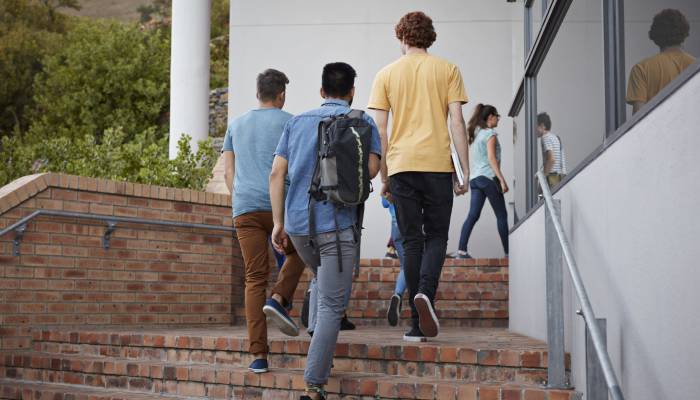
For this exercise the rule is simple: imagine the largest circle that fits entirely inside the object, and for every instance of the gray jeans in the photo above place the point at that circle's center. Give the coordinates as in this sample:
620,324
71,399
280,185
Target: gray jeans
313,303
331,297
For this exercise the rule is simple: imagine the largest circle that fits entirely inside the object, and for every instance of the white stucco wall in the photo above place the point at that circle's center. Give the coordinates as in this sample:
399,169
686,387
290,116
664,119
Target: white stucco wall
632,220
481,36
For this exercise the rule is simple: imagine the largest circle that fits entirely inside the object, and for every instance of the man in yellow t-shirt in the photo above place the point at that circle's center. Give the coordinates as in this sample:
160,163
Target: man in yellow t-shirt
421,90
669,30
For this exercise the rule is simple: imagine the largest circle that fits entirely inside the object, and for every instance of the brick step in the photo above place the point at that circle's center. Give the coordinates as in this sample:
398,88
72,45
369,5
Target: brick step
471,293
387,273
14,389
447,292
220,381
478,354
452,313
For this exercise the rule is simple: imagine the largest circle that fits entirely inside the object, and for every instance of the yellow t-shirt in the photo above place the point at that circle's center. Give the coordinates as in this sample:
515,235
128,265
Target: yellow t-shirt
417,89
649,76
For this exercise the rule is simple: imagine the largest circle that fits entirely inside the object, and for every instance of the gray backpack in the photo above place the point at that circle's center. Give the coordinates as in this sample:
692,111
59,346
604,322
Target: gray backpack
341,175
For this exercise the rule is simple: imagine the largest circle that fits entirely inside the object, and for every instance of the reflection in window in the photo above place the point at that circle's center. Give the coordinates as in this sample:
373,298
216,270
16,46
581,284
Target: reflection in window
571,88
552,150
662,39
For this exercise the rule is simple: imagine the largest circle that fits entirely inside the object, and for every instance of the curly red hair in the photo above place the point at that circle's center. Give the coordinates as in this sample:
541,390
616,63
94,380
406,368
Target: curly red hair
416,30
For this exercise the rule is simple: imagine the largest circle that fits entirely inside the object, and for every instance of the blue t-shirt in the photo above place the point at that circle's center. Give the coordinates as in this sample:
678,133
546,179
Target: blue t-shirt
298,147
479,156
253,138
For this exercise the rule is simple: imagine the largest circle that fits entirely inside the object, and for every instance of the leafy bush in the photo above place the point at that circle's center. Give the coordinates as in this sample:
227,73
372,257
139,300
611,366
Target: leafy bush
142,159
108,74
90,97
28,32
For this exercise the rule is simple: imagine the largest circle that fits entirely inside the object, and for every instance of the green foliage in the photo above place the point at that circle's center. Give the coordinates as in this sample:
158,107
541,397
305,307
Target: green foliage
27,34
219,43
142,159
90,97
107,74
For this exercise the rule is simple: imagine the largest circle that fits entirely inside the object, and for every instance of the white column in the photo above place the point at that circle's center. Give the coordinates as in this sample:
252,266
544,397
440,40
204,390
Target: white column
189,72
231,39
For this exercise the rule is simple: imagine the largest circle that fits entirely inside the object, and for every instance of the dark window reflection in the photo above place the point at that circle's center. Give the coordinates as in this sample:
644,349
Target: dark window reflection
669,31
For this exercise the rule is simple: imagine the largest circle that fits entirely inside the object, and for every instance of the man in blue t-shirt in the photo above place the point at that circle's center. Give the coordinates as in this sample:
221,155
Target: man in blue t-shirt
249,145
296,157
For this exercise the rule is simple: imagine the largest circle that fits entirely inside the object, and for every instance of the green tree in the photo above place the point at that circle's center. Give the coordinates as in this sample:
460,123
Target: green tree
108,74
27,34
219,43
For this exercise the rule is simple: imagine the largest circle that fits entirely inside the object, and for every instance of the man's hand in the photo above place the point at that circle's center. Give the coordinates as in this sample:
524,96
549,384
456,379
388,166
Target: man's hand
386,192
280,240
459,189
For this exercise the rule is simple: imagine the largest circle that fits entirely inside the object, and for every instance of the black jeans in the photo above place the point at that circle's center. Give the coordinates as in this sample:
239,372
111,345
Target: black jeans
423,208
483,188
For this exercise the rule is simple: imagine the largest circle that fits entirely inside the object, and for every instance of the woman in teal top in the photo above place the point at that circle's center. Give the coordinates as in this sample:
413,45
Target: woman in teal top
485,178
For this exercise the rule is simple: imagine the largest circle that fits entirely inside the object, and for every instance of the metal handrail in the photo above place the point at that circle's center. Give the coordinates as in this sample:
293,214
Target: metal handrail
20,226
586,308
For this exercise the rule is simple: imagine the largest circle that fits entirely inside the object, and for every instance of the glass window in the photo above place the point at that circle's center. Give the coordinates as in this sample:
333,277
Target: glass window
571,91
519,179
662,37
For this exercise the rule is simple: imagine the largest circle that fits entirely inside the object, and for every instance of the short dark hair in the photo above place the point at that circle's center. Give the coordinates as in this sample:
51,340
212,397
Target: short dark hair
543,119
271,83
416,30
669,28
338,79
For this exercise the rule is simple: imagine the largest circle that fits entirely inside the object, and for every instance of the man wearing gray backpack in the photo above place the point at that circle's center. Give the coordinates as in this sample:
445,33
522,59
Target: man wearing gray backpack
321,216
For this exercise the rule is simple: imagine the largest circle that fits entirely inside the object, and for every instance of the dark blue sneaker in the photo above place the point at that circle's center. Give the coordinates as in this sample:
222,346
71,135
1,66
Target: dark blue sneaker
258,366
277,314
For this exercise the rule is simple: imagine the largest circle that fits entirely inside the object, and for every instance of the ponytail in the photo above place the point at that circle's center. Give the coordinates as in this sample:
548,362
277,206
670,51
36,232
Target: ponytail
481,113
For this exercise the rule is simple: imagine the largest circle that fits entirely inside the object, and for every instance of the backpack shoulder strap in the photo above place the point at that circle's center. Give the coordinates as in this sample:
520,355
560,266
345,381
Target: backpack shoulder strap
315,187
355,113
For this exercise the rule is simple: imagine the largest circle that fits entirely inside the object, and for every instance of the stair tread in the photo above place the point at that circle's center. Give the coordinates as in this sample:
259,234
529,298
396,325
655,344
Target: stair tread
476,339
90,391
291,372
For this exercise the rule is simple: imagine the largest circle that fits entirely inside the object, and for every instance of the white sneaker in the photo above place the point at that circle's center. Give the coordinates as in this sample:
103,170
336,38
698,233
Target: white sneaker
427,320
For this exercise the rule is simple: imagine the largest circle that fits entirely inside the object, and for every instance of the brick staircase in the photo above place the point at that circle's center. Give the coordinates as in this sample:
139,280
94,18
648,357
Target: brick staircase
484,362
472,293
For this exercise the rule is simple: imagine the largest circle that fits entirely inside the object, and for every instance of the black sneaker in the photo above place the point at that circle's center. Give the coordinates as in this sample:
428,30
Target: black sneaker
305,309
427,320
414,335
394,309
458,255
345,324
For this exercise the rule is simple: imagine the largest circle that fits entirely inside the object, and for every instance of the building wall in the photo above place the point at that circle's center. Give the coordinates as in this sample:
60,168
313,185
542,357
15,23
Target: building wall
630,217
298,38
149,276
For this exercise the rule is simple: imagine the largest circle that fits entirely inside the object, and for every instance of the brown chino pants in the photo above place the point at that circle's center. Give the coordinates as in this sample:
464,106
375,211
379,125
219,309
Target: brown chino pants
253,231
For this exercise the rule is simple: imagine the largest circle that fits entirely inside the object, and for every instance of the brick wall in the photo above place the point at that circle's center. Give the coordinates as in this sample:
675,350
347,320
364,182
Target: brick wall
149,276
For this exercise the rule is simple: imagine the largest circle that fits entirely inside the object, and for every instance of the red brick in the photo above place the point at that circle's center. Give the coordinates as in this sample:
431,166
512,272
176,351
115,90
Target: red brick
467,392
191,389
531,359
533,395
511,394
558,395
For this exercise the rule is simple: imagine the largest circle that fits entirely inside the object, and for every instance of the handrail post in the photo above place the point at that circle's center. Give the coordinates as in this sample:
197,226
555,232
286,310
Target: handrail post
111,227
19,235
556,368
